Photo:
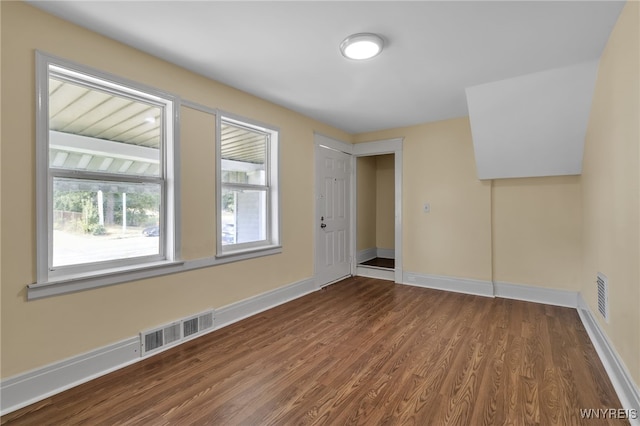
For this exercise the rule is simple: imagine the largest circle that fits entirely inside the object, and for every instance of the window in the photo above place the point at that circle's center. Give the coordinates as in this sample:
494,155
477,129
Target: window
248,187
105,173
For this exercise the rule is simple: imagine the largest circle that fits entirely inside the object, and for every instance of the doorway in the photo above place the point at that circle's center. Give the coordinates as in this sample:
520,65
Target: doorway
375,216
376,148
327,270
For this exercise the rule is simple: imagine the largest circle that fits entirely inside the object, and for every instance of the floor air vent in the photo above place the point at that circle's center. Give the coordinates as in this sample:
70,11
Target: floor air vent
197,324
603,296
190,327
160,337
153,340
172,334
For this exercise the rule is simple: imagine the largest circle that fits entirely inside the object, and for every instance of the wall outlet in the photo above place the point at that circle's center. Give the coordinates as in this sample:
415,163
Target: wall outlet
426,208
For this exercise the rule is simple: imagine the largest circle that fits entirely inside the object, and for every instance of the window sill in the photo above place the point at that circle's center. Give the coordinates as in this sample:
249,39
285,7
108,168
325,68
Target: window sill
236,256
71,284
248,253
78,282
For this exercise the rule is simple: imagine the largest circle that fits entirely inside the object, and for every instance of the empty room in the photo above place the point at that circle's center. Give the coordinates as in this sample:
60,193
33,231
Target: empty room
275,213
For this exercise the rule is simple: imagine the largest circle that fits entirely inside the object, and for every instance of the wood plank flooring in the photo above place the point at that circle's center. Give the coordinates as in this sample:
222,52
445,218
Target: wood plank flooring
362,351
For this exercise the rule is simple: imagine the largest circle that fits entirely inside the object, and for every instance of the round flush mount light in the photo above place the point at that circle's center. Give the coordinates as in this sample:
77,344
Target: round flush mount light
361,46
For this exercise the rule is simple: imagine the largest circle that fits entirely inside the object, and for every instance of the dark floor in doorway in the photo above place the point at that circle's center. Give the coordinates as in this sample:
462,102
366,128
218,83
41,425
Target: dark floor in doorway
380,262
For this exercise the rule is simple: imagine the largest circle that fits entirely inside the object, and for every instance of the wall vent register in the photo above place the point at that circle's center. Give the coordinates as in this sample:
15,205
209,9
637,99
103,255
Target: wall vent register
173,333
603,295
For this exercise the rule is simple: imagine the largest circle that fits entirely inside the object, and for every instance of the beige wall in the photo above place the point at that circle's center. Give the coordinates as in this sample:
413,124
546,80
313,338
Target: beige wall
375,202
366,203
385,201
197,145
537,227
611,188
439,168
72,324
519,231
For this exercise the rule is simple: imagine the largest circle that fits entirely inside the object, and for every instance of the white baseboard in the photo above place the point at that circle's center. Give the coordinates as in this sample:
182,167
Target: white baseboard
235,312
548,296
27,388
373,252
373,272
619,375
386,253
458,285
527,293
36,385
494,289
366,254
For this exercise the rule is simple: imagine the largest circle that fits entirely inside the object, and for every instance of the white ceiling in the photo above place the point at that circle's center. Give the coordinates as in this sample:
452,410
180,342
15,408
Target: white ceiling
287,52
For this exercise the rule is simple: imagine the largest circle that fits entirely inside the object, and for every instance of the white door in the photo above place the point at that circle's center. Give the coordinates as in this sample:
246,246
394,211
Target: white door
333,260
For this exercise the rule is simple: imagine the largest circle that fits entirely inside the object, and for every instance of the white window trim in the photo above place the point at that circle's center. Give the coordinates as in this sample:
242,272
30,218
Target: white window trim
46,286
85,276
272,175
73,284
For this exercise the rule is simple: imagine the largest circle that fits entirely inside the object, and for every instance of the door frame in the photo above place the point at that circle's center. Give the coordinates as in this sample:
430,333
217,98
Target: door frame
364,149
381,147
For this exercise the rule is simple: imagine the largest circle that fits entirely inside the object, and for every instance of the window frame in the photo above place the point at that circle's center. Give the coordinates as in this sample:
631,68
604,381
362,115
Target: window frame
168,178
271,187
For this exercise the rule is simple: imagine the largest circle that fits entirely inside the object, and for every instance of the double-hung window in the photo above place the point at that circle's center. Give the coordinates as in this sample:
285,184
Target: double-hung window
105,171
248,186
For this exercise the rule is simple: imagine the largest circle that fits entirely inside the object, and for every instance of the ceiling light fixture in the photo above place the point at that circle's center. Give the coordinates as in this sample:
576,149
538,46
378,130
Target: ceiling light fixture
361,46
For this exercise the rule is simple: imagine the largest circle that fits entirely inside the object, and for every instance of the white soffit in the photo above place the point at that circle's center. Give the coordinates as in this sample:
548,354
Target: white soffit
533,125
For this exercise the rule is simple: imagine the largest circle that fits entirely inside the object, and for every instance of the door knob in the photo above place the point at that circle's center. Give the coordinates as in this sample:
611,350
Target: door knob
323,225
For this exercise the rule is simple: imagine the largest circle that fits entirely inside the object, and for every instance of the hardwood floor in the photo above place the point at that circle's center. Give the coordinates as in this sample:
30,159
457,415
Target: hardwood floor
362,351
